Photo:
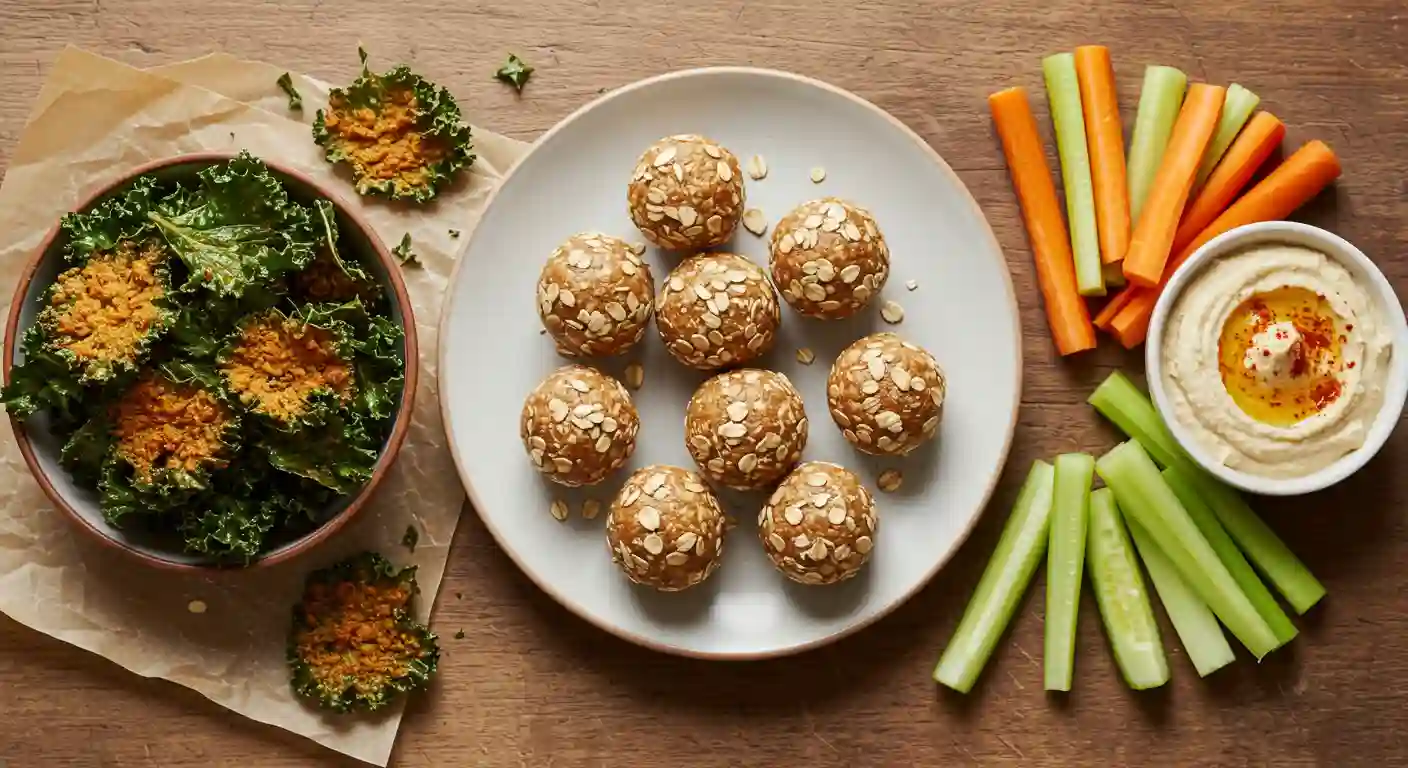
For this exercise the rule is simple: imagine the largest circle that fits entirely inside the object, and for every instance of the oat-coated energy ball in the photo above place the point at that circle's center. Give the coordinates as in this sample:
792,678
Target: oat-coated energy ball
886,394
746,428
595,295
686,193
819,526
716,310
578,425
665,528
828,258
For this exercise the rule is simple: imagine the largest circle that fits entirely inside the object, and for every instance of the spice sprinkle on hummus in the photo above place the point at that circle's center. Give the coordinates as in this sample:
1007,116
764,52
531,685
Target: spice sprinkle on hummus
1275,359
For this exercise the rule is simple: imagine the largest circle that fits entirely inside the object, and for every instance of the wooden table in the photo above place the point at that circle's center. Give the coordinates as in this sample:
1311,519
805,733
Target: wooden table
530,685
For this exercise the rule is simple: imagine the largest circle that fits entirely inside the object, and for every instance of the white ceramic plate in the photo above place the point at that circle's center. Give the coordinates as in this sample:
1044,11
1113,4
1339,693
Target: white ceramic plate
964,311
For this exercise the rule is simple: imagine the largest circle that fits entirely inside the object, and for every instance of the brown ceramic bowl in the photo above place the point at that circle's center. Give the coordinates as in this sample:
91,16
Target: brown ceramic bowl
41,448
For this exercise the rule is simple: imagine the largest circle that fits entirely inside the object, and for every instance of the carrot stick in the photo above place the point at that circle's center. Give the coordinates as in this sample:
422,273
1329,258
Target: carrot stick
1105,135
1066,312
1254,144
1113,307
1301,177
1152,240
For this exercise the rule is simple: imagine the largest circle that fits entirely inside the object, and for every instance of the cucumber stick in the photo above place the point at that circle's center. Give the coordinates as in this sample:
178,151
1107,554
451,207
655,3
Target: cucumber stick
1159,102
1194,622
1118,400
1230,556
1065,563
1063,98
1120,595
1003,583
1147,499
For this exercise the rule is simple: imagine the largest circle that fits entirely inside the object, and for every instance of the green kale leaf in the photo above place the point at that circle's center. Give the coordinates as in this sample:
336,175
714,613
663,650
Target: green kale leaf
43,381
327,230
227,528
121,217
515,72
423,166
404,254
339,455
87,449
295,99
236,229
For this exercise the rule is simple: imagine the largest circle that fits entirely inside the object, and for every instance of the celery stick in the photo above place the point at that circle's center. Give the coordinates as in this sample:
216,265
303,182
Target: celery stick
1003,583
1194,622
1230,556
1237,108
1121,402
1159,102
1119,591
1065,562
1114,274
1147,499
1063,96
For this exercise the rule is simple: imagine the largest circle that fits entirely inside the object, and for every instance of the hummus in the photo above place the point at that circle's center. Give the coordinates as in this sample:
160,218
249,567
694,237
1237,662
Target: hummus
1275,359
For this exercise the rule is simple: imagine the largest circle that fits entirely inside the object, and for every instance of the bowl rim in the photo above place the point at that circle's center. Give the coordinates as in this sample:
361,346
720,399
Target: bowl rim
400,422
989,489
1378,286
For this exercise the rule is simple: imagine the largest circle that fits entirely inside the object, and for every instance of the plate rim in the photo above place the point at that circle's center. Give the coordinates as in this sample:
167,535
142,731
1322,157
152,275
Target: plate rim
448,307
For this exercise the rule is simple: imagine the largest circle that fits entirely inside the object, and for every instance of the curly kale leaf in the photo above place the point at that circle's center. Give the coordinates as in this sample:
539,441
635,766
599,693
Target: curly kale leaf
442,149
87,448
43,382
339,455
343,654
295,99
237,228
376,344
227,528
121,217
515,72
327,232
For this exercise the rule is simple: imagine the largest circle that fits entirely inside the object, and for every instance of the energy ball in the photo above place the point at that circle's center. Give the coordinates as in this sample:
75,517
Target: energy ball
686,193
579,425
828,258
665,528
716,310
886,394
595,295
819,526
746,428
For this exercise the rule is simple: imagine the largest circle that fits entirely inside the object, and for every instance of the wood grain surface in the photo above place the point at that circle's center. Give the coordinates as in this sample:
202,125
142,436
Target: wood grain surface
530,685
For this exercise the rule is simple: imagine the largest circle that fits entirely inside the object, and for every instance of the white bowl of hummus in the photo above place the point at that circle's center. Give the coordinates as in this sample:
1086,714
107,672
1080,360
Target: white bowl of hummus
1278,356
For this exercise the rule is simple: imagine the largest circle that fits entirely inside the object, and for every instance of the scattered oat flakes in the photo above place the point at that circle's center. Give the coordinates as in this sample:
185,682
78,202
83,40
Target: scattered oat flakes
805,356
559,509
757,168
635,375
890,480
911,284
591,508
754,221
892,312
818,175
196,606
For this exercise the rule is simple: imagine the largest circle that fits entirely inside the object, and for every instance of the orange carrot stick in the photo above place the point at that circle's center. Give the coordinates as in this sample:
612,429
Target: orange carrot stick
1104,136
1066,312
1152,240
1258,139
1113,307
1301,177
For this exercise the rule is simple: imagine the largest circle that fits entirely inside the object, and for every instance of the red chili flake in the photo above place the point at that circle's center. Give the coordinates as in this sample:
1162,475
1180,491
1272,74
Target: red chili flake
1349,326
1314,339
1266,353
1326,391
1350,364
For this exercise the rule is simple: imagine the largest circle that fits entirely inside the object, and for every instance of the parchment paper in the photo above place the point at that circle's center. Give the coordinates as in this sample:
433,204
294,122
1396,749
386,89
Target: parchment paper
93,120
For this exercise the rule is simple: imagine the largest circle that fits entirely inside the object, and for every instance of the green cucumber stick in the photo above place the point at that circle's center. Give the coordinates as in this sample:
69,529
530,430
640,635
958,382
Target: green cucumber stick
1159,102
1121,597
1227,552
1118,400
1003,583
1237,108
1065,563
1145,497
1063,97
1194,622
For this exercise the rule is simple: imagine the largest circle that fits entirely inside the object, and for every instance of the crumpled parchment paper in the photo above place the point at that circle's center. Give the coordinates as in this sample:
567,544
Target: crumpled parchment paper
95,119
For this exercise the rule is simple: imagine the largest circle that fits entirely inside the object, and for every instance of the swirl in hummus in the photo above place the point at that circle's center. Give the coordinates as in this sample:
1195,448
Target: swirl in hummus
1275,359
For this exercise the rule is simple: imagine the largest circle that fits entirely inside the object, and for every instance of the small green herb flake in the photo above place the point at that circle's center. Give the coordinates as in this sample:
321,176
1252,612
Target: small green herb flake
295,99
404,254
411,538
459,635
454,233
515,72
